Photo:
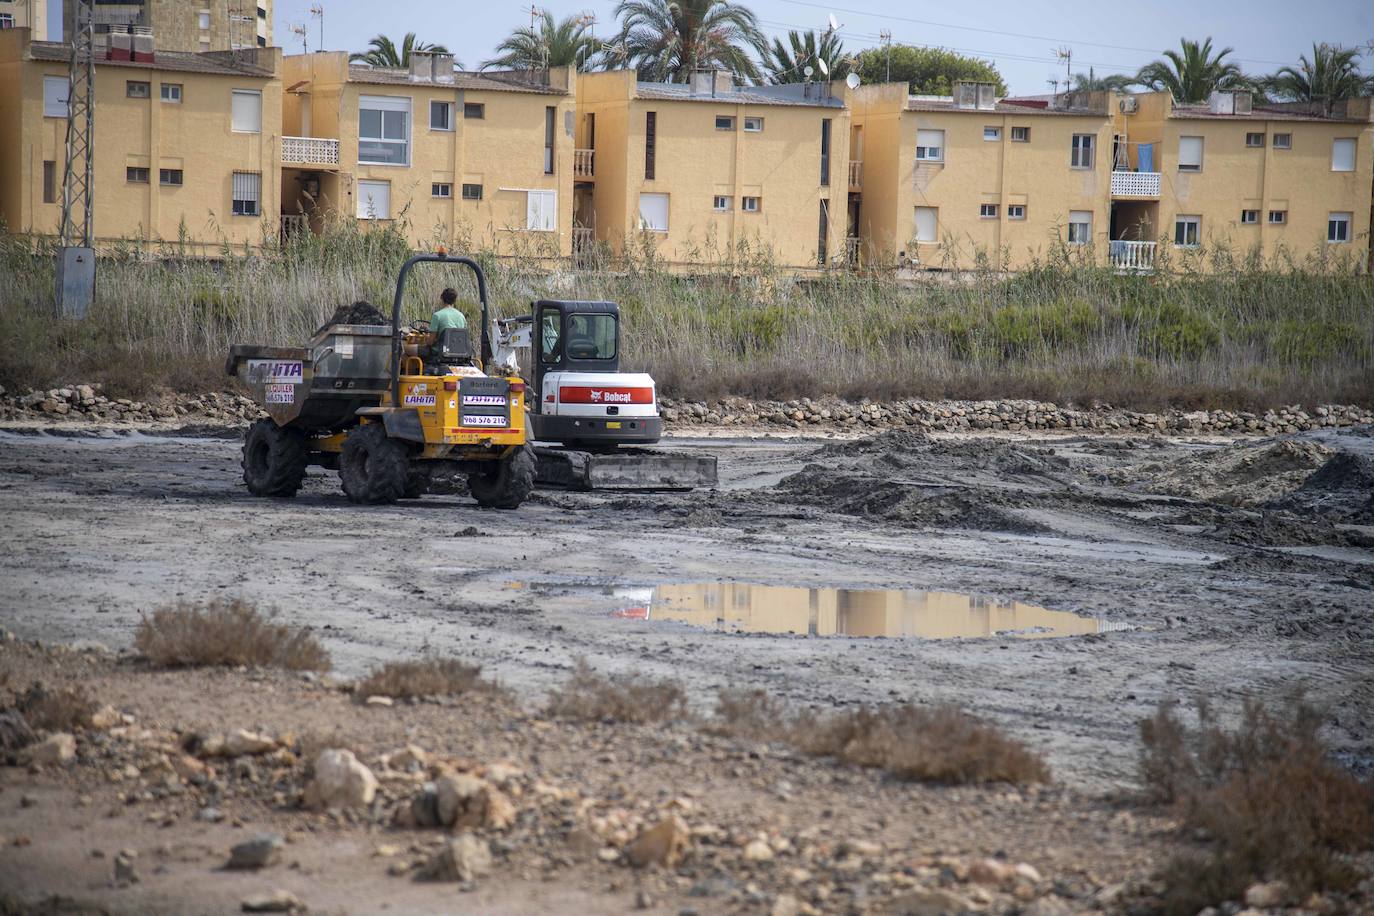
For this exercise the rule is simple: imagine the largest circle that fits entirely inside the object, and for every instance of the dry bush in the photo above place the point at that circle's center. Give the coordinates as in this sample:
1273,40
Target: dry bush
622,698
425,677
941,744
1274,806
225,633
744,713
56,710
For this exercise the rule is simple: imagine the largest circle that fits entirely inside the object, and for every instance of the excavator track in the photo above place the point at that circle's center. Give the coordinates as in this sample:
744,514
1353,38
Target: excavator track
622,469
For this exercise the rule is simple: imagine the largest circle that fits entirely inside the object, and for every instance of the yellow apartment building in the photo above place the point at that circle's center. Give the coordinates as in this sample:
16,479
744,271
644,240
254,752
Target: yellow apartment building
186,143
472,160
950,181
25,14
695,169
184,25
1282,180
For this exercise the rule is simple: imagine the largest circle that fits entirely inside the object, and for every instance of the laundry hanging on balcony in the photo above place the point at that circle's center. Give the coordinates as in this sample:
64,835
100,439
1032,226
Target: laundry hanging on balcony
1145,157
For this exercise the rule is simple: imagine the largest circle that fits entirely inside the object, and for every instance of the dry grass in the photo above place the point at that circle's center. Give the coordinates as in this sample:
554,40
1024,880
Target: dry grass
60,710
228,634
425,677
621,698
1273,804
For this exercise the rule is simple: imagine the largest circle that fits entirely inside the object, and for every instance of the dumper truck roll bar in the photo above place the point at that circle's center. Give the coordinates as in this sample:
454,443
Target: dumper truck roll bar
442,257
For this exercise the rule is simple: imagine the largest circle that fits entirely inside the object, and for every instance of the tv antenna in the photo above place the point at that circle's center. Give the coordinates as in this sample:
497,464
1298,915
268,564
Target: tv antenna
1066,55
885,36
298,28
317,11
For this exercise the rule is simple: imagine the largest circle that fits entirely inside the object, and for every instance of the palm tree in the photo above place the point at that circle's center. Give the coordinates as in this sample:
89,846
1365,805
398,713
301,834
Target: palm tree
664,39
552,44
787,63
1194,74
1091,82
1331,74
381,52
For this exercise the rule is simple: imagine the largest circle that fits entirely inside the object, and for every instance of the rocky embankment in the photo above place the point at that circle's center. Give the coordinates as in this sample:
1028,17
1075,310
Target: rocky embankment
86,402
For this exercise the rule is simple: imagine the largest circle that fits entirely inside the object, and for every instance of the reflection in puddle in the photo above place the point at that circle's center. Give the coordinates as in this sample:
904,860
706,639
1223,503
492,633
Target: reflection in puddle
743,608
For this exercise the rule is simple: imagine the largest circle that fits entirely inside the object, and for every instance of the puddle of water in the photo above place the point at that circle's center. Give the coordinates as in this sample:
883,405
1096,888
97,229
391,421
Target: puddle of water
739,607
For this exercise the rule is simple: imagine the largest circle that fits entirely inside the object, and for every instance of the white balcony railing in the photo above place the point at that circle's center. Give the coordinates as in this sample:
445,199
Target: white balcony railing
310,150
856,174
584,163
1132,257
1135,184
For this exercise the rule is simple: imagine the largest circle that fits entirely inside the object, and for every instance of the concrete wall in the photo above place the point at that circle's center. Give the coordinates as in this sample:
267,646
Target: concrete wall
176,23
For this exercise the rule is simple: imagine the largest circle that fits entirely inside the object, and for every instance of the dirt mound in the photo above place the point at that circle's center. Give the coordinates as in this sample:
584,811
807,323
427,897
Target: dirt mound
897,440
1243,475
1343,486
360,312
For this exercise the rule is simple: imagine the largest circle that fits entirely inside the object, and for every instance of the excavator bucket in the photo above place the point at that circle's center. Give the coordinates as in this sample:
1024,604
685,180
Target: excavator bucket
623,469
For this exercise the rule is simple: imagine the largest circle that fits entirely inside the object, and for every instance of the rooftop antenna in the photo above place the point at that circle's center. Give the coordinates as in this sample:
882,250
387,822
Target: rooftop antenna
834,25
587,21
885,37
298,28
1066,55
317,10
76,260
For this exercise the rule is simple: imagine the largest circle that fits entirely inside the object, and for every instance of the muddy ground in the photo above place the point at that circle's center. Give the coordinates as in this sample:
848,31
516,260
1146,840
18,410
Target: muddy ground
1220,567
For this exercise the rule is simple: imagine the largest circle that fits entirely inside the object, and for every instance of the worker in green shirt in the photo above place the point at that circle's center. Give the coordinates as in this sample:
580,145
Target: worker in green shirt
448,316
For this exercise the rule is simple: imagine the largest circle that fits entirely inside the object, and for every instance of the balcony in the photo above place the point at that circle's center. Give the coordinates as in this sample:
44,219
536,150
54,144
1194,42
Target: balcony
1132,257
309,151
584,163
1135,184
856,175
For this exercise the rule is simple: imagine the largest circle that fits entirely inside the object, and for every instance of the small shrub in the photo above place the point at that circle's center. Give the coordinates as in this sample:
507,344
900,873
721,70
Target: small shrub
749,713
56,710
228,634
426,677
1266,794
623,698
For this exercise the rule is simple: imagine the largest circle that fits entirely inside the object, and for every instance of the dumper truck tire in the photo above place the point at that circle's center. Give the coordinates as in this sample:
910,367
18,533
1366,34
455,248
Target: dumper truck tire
506,483
372,467
274,459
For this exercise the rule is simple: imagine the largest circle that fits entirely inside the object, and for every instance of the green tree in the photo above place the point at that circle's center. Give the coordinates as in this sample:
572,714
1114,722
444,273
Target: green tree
1091,82
1193,72
551,44
1331,74
929,71
787,63
668,39
381,51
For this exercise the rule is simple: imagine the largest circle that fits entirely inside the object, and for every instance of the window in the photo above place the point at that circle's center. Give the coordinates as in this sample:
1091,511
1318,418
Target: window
1080,227
246,112
751,204
1278,217
753,125
384,130
474,111
721,202
137,89
650,142
550,114
472,192
825,152
1190,154
1016,211
170,177
440,115
1343,154
1187,230
1254,139
204,19
541,211
441,189
1081,156
590,336
930,146
653,212
54,96
992,133
374,200
987,211
49,181
6,20
1249,217
725,122
1020,135
927,222
136,174
823,239
247,194
1283,141
1338,227
171,92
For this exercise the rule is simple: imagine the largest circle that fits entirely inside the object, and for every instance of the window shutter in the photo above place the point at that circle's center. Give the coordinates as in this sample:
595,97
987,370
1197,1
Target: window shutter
1190,152
926,224
541,211
1343,154
54,97
374,200
653,211
247,186
246,112
933,141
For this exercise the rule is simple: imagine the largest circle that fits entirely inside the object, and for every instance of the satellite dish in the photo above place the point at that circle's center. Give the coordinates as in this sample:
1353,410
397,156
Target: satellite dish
852,81
825,68
834,25
808,71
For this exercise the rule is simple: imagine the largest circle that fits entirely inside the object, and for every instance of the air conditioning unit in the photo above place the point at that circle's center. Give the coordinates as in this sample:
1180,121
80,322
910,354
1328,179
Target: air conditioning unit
1129,105
1244,102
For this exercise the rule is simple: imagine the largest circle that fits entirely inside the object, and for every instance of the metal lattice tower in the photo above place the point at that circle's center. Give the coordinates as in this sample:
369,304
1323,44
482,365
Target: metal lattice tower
78,178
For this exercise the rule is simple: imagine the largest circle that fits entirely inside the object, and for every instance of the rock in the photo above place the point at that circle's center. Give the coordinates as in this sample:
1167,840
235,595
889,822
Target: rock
378,700
239,743
27,801
1266,895
341,781
124,867
211,815
464,801
929,902
258,852
758,851
1029,872
53,750
990,872
785,905
278,901
106,717
582,842
15,733
1049,905
464,858
410,757
662,844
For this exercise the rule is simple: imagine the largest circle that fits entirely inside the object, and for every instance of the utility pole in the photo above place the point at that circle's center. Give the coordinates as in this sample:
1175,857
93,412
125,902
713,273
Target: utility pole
886,37
76,257
1066,55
